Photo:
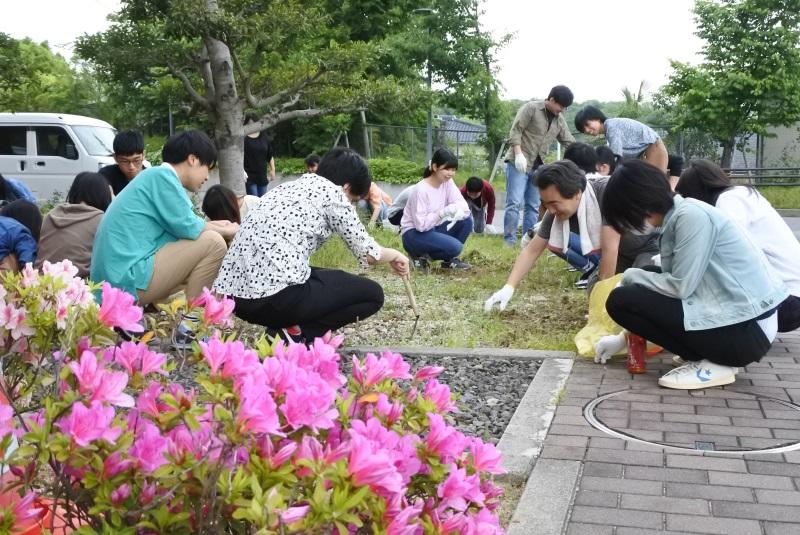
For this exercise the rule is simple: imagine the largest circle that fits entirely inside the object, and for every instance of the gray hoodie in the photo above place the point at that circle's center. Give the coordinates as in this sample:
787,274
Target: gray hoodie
68,234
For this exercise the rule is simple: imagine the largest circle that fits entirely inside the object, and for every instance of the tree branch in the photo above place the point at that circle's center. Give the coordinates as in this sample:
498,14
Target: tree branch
291,91
187,84
248,94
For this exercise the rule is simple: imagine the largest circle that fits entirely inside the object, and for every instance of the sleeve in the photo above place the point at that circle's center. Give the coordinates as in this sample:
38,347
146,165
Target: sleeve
488,192
22,244
520,123
564,137
454,196
420,213
343,220
175,212
736,208
695,240
546,226
614,140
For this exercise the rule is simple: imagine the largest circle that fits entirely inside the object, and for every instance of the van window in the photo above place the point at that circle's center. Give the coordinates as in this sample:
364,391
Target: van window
98,140
54,141
12,141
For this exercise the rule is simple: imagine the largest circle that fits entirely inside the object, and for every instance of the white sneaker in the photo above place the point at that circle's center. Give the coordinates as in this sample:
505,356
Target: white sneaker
700,374
677,361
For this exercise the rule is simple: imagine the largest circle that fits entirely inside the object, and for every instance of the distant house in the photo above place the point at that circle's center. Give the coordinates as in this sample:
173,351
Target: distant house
458,131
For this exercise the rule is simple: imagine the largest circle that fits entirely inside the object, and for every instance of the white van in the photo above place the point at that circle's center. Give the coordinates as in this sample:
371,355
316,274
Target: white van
46,150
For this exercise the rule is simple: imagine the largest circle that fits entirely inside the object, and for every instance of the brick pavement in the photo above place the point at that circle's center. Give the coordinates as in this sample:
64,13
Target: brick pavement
627,487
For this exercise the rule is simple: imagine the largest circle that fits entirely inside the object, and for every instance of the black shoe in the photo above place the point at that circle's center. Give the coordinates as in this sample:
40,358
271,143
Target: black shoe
420,263
287,334
583,282
456,263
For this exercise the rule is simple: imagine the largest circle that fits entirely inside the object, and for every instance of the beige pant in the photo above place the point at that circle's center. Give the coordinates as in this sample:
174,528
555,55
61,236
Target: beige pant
656,154
186,265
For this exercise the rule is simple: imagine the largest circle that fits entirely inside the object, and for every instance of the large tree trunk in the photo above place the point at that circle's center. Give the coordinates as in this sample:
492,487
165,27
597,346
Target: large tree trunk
727,153
227,113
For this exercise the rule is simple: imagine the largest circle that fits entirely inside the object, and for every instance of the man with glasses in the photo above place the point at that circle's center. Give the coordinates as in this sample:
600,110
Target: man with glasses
129,155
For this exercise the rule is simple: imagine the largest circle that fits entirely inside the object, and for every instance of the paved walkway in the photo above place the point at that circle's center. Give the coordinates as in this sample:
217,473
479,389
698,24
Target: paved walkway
683,484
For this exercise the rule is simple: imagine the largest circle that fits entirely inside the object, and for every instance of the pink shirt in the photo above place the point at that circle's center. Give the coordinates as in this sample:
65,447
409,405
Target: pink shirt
425,203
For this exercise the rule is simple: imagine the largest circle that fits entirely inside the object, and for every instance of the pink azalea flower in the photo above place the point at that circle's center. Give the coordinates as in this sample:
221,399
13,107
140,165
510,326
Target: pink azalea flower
373,467
64,270
111,389
239,361
148,402
147,494
79,293
216,311
406,521
440,395
294,514
114,464
118,310
396,367
87,424
428,372
7,423
276,458
443,440
26,509
482,523
257,411
149,447
391,411
136,356
309,402
30,277
87,372
215,352
13,319
62,310
485,457
120,494
330,340
152,362
458,490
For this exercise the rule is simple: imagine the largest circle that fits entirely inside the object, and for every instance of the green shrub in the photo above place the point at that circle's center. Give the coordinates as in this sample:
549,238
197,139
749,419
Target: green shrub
289,166
395,171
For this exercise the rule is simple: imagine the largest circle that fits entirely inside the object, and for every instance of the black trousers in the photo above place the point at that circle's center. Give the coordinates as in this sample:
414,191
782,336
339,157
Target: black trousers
328,300
789,314
659,319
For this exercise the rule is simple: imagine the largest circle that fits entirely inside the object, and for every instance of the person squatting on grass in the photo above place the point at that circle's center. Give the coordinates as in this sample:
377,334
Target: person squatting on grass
713,302
150,243
626,137
68,230
574,230
536,126
707,182
267,269
479,195
436,219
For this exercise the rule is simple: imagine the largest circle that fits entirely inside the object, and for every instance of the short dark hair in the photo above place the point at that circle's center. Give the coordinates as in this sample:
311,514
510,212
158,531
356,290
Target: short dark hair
128,142
474,184
345,166
311,159
583,155
26,213
636,190
703,180
588,113
220,203
179,146
251,117
442,158
675,164
564,175
90,188
606,156
561,94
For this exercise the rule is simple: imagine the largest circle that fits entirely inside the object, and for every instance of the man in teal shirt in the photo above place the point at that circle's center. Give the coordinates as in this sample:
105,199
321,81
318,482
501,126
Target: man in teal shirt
150,243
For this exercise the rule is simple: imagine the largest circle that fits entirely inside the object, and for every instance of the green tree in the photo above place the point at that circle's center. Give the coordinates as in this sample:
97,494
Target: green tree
750,77
282,59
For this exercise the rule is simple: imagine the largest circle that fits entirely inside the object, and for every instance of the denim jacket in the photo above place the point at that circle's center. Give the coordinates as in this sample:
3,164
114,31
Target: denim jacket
711,265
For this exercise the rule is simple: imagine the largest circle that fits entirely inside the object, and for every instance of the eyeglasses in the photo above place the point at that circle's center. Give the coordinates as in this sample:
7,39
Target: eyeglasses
134,162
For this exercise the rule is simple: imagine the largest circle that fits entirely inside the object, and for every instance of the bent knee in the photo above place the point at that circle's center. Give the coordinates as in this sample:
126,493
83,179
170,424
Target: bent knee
214,243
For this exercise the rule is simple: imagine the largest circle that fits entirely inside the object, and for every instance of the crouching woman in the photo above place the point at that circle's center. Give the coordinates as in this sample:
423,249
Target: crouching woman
267,269
714,300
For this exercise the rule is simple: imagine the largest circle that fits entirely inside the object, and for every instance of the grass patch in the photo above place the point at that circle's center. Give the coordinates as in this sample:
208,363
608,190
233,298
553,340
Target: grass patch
545,312
782,196
512,492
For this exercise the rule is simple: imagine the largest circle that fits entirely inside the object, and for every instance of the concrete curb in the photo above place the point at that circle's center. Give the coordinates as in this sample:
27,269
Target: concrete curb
789,212
525,433
488,352
545,502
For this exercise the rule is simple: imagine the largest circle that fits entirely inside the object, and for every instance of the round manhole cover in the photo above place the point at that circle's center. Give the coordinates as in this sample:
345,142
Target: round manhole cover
719,420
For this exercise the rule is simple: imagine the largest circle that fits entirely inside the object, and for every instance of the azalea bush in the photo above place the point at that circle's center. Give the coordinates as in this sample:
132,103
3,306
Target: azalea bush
268,439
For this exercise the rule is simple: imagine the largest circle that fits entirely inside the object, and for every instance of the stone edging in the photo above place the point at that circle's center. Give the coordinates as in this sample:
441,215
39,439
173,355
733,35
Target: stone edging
488,352
789,212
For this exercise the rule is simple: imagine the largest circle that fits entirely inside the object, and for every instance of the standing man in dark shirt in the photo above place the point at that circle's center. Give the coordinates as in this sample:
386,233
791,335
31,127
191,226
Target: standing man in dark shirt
257,156
129,155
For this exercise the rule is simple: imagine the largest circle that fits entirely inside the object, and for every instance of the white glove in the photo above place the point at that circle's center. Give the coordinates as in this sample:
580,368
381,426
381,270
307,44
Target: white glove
451,211
608,346
526,239
520,163
501,296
